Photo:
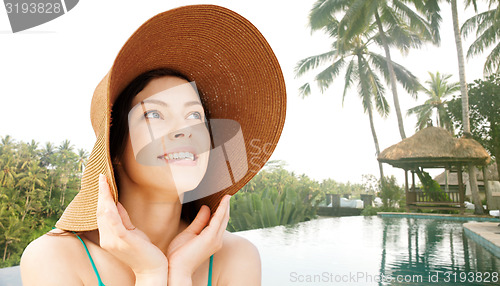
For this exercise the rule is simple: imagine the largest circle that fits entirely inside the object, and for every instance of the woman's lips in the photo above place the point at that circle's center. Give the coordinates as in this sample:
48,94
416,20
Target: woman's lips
181,161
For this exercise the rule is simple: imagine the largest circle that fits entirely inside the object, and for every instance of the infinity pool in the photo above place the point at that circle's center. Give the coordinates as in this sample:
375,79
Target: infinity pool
373,251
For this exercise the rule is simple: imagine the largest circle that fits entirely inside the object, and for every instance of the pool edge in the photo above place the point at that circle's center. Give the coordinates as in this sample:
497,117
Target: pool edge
483,230
440,216
486,234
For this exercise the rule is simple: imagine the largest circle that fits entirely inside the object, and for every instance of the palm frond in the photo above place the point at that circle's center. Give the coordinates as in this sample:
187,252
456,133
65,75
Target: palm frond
313,62
470,24
415,21
402,38
433,14
322,12
355,19
483,41
492,63
378,91
423,113
349,78
325,78
364,88
409,81
305,90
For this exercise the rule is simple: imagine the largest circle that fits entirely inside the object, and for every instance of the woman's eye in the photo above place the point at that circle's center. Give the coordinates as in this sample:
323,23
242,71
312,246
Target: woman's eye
152,114
195,115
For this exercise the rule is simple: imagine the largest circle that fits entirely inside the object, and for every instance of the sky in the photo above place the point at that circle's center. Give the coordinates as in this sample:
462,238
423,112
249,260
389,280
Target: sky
48,75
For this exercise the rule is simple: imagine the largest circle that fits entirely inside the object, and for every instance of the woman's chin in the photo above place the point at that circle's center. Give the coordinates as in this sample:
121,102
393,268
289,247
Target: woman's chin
184,186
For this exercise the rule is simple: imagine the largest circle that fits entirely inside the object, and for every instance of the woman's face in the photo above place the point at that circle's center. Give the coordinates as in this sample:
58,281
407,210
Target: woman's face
168,145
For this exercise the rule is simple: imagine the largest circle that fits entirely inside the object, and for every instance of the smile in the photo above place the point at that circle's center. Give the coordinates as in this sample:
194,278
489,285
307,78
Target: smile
179,156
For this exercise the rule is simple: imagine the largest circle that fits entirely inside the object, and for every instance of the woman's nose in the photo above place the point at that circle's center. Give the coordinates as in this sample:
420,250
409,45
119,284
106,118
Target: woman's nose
180,133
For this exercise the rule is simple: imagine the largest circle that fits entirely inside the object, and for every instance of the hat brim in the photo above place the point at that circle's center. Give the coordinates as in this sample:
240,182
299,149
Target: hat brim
235,69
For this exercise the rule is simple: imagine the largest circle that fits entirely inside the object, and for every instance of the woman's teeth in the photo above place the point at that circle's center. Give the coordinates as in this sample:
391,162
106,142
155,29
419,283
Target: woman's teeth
179,155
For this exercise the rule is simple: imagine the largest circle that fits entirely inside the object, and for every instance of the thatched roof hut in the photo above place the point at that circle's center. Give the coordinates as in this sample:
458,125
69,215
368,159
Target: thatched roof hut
491,172
434,147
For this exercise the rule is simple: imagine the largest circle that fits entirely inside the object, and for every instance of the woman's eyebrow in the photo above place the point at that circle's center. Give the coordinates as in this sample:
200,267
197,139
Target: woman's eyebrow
159,102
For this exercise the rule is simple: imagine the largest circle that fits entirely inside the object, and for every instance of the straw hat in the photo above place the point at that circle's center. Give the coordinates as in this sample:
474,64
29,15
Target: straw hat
235,70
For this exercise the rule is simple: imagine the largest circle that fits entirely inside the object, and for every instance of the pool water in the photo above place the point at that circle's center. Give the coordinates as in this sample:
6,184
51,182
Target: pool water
373,251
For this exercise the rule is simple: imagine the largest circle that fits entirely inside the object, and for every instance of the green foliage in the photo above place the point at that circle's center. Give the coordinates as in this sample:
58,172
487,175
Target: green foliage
369,211
390,192
35,187
438,89
484,109
486,27
431,188
274,197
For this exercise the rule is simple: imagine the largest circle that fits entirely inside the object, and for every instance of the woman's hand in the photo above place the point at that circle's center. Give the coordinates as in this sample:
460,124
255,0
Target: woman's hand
195,244
119,237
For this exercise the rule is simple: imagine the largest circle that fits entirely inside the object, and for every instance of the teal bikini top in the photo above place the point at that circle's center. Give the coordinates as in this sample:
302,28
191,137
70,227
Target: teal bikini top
102,284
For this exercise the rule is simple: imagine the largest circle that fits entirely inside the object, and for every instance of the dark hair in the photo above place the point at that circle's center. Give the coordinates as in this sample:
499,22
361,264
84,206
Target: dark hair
119,124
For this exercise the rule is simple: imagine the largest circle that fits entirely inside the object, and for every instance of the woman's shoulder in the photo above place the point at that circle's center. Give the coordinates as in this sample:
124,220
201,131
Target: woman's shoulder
48,259
239,245
238,261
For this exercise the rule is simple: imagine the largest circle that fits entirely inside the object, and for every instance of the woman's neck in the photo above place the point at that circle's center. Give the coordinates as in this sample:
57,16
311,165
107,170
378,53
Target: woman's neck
158,216
159,219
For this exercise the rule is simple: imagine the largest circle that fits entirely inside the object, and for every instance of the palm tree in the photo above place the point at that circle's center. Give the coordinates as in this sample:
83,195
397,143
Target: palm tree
437,92
11,231
7,169
478,208
487,29
47,157
7,143
64,160
7,161
463,90
82,160
399,23
363,67
30,180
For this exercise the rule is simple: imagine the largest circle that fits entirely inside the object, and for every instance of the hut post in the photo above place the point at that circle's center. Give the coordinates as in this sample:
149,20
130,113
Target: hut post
489,197
336,204
446,187
461,190
413,180
406,192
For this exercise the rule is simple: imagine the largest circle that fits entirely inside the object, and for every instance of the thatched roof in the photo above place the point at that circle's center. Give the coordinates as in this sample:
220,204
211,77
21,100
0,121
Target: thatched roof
434,147
491,172
453,179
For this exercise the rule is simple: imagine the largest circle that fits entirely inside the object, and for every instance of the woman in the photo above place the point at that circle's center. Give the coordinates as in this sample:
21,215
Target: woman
131,223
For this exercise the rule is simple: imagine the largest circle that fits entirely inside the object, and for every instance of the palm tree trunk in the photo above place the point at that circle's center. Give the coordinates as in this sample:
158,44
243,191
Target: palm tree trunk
375,140
5,249
26,206
497,155
392,76
478,208
3,179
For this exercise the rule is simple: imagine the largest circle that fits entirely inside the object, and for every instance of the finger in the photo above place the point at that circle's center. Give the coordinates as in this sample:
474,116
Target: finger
221,211
200,221
109,225
125,218
225,220
104,200
218,218
109,220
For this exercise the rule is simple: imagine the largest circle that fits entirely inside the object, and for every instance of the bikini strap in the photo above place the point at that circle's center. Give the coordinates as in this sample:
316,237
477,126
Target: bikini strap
210,270
91,260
